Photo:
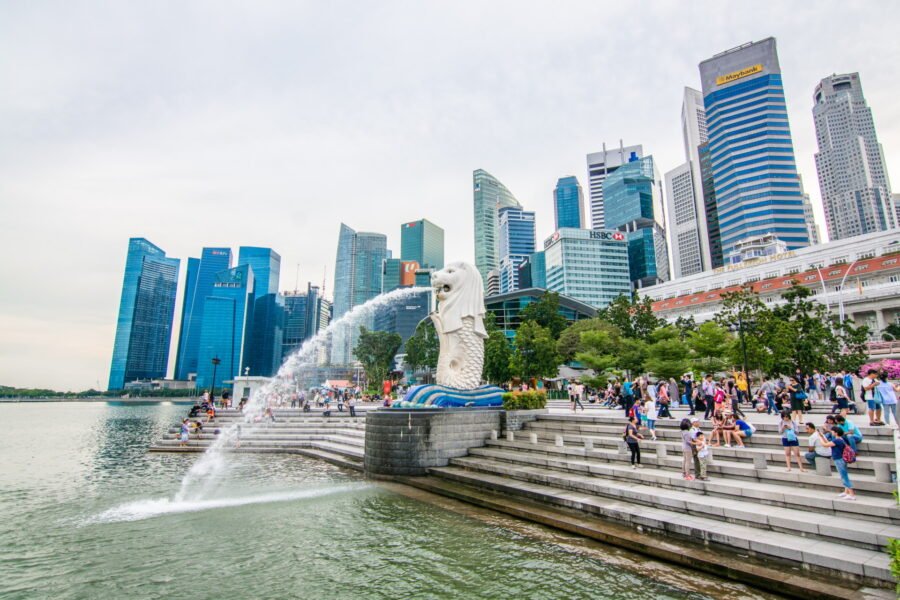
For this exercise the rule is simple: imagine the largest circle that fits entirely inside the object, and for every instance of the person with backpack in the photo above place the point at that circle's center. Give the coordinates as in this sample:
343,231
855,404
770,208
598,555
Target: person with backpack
852,435
790,440
869,383
841,455
798,399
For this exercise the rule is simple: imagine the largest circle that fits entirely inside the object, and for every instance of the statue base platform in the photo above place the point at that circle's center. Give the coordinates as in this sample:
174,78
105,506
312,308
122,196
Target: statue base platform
439,396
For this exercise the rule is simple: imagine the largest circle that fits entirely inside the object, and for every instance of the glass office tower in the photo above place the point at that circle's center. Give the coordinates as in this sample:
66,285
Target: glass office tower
423,242
263,352
517,235
227,319
489,197
212,261
587,265
568,203
633,198
357,279
146,309
751,152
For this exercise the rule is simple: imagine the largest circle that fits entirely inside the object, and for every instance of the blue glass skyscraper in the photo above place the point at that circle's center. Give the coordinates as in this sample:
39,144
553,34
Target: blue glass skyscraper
262,355
632,196
568,203
423,242
517,240
198,286
146,308
357,279
227,319
757,188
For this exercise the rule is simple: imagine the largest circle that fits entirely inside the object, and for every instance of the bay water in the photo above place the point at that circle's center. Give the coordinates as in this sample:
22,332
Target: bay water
88,513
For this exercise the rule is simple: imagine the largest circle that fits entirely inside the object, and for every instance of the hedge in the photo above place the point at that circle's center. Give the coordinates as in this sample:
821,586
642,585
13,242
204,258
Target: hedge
530,400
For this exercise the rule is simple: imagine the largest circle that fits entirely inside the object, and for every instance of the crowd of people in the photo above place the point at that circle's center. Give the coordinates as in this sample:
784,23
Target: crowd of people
722,402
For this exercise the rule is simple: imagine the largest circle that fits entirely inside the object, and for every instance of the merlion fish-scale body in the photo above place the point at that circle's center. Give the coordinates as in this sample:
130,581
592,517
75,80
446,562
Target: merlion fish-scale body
459,322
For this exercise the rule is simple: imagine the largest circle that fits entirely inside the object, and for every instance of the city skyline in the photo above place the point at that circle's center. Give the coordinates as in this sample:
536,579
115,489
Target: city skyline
88,150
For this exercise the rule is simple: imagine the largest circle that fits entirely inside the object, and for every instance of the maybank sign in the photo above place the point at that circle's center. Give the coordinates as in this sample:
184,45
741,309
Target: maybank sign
722,80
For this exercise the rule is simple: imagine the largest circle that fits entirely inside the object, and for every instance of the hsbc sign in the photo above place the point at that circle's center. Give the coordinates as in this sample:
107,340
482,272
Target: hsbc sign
607,235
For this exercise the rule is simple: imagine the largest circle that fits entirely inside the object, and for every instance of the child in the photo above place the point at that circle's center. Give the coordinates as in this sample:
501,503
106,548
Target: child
649,416
702,454
185,433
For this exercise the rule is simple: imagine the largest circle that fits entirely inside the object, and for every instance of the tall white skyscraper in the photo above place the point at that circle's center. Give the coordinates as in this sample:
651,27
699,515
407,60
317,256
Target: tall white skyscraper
489,197
600,164
686,210
856,193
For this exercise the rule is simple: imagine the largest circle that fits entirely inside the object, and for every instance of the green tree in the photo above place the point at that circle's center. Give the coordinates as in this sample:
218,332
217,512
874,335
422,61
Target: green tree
570,344
685,326
598,352
422,347
376,350
743,311
632,355
497,353
709,344
545,312
535,352
891,332
633,316
667,355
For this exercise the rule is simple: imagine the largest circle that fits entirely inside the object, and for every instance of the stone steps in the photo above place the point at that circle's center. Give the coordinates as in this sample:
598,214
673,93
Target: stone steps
871,535
833,559
751,452
719,468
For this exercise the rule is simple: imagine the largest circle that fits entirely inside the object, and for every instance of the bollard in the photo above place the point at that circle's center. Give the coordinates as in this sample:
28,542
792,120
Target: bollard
662,452
510,436
823,467
559,440
759,462
883,472
533,438
494,434
588,444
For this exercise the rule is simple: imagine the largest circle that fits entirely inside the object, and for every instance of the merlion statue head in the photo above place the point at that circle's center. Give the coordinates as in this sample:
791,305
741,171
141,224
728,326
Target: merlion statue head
459,292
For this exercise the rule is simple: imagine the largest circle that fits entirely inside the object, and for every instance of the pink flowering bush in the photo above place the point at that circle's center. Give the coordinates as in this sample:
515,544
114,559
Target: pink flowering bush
892,366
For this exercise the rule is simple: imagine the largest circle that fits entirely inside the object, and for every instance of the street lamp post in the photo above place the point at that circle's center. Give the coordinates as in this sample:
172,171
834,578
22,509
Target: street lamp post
216,361
743,343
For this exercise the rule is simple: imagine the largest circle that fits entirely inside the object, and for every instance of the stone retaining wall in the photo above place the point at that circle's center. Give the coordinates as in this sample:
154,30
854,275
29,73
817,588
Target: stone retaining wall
408,442
513,420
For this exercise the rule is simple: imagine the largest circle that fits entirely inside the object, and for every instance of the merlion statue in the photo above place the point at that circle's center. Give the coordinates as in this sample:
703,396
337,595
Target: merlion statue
459,322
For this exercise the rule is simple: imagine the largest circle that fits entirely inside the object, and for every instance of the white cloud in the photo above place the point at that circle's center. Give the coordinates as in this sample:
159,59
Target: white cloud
269,124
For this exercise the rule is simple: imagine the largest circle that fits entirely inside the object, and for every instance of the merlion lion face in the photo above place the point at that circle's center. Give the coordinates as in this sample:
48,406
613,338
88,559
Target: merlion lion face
452,281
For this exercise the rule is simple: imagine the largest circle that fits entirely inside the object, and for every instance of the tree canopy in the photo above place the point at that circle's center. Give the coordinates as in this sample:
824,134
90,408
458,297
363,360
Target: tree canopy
545,312
376,350
422,347
535,352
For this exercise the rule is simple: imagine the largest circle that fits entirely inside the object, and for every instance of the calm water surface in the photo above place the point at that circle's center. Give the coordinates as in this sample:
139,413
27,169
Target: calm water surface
87,513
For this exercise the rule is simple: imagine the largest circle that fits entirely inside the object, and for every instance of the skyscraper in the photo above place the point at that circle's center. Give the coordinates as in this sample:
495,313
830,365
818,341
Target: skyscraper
357,279
212,261
587,265
811,227
568,203
146,308
751,152
533,272
856,192
489,197
600,164
227,321
423,242
516,244
190,285
634,206
262,355
686,211
305,314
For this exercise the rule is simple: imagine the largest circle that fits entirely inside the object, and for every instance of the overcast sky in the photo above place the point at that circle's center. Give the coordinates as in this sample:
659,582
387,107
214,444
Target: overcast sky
269,123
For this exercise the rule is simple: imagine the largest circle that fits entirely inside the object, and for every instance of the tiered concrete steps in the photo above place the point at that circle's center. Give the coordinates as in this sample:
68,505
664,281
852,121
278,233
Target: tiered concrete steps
338,439
680,410
790,519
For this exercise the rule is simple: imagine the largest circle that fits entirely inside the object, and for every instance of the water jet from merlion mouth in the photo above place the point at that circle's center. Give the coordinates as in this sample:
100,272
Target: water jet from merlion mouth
205,473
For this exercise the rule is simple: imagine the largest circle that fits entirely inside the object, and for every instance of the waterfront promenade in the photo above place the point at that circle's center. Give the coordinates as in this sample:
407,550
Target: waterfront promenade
752,521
